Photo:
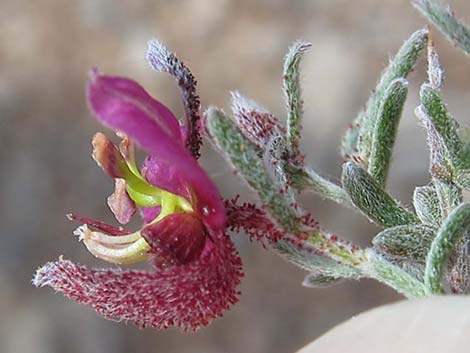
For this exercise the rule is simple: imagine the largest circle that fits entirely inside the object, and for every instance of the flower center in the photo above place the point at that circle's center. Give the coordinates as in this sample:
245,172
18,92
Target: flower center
130,248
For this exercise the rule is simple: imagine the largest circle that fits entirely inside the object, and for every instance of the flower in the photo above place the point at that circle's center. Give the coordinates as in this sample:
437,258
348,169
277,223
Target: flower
196,267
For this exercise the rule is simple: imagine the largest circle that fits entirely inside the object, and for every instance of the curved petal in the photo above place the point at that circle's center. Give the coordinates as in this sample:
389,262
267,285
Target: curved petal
187,296
125,90
117,105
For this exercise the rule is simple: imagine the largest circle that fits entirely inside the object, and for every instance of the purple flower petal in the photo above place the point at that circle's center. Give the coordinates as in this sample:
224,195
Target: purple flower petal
165,175
150,213
122,105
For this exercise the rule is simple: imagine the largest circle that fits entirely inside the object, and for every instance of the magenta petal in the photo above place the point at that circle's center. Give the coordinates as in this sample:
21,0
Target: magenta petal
177,239
123,90
165,175
150,213
120,104
187,296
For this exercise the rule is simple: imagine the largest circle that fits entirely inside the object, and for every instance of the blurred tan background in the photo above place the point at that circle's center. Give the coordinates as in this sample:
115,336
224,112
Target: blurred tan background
46,49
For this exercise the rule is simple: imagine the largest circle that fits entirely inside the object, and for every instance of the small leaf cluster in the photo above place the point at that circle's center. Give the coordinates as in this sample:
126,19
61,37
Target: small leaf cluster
419,251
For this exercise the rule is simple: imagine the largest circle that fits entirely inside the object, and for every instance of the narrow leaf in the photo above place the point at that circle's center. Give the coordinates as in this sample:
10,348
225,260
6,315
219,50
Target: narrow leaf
162,60
255,122
454,227
372,200
350,141
455,31
293,93
399,67
444,124
439,166
385,131
245,158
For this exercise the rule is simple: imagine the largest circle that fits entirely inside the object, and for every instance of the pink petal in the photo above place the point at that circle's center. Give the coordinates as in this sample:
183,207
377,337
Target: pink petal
187,296
165,175
120,203
121,90
177,239
150,213
123,105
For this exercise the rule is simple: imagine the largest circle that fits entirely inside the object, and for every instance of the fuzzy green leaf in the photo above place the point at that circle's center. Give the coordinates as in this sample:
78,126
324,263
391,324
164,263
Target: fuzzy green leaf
350,141
456,31
449,196
399,67
399,279
462,178
245,157
367,195
444,124
293,93
278,200
427,205
385,131
454,227
408,242
439,165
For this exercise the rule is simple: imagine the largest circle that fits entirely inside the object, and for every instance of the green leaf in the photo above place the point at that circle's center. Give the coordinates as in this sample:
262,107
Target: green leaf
367,195
394,276
449,196
445,125
407,242
439,165
455,31
427,205
385,131
462,178
350,141
293,93
399,67
454,227
277,199
244,156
